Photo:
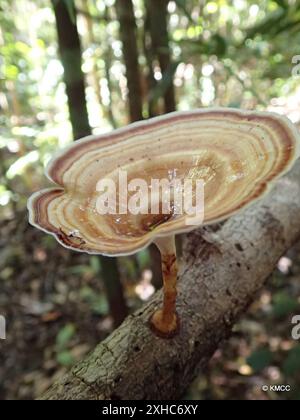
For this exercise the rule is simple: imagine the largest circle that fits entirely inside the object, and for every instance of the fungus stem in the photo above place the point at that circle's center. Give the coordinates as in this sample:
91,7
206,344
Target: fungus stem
164,322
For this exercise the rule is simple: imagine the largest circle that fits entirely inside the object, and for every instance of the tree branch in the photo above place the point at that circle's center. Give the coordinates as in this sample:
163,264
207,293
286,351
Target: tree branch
223,268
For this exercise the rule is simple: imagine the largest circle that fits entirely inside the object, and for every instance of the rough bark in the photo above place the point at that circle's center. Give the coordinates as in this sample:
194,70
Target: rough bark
125,14
70,53
223,268
158,17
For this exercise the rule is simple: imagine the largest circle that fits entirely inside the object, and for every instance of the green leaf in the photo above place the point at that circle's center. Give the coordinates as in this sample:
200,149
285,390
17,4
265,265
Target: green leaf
11,72
98,302
143,258
79,269
100,305
65,335
86,293
65,358
95,264
283,305
260,359
291,364
282,3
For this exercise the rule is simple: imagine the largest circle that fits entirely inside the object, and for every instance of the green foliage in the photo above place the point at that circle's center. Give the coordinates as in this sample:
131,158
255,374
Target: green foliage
63,341
65,335
224,53
260,359
291,365
143,258
230,39
283,305
96,301
65,358
95,264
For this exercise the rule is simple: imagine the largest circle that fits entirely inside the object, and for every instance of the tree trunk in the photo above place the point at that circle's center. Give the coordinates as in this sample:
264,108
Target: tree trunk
114,289
149,56
70,51
223,268
158,17
155,260
128,35
90,40
108,59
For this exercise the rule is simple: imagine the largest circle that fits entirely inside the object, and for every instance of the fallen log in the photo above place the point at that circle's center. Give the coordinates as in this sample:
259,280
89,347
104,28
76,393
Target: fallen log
223,268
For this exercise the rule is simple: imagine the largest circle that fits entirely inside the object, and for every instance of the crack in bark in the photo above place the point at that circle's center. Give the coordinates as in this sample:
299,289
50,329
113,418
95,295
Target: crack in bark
86,384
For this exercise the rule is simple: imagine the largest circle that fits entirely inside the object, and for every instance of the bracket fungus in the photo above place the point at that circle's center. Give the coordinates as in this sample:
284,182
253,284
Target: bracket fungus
237,154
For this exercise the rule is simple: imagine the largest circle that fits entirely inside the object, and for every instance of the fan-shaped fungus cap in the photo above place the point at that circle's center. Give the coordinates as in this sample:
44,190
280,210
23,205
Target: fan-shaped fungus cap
237,154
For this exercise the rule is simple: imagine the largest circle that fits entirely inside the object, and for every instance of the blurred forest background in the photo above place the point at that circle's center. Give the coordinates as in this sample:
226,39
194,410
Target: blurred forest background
69,68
